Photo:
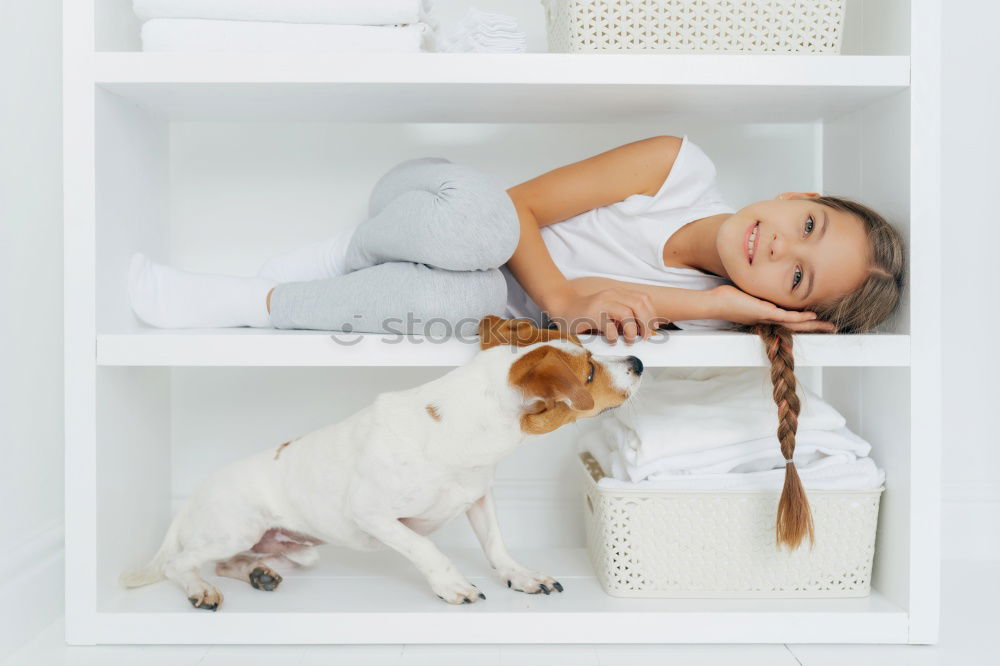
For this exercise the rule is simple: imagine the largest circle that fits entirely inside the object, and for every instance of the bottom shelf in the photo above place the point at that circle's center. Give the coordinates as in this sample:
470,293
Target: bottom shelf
352,597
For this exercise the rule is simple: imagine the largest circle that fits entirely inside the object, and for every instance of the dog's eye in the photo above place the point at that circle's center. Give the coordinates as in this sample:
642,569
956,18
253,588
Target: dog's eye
590,377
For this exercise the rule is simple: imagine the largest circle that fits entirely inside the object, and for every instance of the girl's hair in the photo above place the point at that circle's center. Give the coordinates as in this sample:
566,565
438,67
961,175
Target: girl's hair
871,303
861,310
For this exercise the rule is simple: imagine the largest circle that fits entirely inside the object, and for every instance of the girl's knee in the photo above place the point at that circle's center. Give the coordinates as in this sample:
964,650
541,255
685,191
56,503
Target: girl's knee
407,175
498,226
455,182
483,204
465,205
508,228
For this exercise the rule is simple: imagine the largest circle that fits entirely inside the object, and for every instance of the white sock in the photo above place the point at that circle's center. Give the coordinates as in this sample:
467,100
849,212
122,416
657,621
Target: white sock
169,298
316,261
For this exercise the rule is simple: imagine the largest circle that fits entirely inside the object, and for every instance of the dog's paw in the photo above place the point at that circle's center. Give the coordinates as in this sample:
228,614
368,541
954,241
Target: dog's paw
263,578
530,582
456,590
207,598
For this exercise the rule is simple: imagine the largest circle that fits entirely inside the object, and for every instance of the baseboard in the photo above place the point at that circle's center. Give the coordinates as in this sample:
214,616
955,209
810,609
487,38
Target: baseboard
32,587
970,514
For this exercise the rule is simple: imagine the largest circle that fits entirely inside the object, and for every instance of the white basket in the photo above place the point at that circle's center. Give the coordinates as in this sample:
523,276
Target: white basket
721,543
695,26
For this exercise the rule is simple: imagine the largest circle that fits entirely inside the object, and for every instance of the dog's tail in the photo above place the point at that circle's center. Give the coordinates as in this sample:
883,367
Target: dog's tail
153,572
149,574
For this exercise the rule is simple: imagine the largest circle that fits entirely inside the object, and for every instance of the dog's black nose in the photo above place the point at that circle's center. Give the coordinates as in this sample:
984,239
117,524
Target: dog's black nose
635,364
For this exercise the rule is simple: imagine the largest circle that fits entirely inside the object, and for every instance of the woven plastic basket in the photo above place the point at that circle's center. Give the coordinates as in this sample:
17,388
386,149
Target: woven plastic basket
695,26
721,543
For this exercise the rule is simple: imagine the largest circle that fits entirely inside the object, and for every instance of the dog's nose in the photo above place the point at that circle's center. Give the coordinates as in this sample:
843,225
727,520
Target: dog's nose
635,364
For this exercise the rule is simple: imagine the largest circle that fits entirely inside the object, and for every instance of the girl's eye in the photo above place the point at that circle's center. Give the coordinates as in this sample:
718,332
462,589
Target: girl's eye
796,277
810,223
590,377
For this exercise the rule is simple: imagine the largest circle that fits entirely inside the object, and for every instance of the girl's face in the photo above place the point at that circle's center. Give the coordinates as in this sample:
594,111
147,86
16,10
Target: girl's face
794,252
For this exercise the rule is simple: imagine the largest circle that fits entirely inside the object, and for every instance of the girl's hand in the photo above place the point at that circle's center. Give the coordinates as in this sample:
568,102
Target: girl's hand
609,311
740,307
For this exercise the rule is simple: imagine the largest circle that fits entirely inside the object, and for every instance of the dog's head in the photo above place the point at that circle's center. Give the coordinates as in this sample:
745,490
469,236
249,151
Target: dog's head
558,378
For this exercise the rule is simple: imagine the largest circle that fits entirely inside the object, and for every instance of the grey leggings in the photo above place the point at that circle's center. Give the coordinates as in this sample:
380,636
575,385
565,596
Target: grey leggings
425,261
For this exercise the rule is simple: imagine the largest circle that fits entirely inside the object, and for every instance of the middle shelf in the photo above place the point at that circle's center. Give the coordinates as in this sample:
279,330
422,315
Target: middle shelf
535,87
256,347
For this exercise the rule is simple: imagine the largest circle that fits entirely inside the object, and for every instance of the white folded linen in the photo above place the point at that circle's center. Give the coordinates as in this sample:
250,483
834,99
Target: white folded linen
472,44
475,17
686,411
203,36
835,472
342,12
484,32
611,443
715,429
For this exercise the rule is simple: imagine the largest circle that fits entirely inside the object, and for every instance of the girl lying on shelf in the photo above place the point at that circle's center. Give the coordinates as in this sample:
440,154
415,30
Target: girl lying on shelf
620,243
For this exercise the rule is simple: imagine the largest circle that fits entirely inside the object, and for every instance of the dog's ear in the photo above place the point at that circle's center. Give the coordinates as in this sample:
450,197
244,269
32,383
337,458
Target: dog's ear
545,374
494,331
553,391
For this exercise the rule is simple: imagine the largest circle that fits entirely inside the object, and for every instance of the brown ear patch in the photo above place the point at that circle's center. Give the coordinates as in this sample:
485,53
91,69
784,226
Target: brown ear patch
547,375
495,331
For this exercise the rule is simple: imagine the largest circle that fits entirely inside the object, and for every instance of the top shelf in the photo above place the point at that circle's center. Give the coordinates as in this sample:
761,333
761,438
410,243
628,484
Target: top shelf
531,87
535,68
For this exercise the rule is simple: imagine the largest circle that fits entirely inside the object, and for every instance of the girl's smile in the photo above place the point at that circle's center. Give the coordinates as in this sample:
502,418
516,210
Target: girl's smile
751,241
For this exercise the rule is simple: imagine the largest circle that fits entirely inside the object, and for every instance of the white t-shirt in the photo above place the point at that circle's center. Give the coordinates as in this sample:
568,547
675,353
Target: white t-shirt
624,240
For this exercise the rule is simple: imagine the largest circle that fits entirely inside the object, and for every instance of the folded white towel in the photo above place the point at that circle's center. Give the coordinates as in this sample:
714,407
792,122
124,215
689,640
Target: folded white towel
202,36
484,32
714,429
471,44
688,411
342,12
611,442
836,472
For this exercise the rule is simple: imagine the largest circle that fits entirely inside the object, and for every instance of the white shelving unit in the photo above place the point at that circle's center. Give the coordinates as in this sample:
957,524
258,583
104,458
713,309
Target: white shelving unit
214,162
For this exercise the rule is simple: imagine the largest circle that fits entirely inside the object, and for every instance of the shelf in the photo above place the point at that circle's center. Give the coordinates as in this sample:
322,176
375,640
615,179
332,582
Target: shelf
255,347
352,597
536,87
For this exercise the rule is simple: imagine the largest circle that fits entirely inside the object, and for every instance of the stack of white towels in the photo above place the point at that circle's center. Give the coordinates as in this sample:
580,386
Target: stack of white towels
714,429
319,26
485,32
287,26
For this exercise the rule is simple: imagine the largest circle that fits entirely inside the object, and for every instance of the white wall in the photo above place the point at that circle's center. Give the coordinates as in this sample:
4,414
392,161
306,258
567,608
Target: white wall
31,424
971,243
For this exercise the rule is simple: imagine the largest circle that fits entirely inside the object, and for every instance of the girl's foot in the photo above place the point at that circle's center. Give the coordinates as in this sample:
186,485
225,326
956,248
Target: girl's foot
166,297
318,261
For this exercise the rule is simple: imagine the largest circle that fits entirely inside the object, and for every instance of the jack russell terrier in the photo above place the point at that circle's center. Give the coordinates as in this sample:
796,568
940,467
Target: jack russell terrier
395,471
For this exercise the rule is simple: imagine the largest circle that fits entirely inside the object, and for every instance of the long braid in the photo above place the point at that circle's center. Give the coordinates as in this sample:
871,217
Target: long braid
861,310
794,520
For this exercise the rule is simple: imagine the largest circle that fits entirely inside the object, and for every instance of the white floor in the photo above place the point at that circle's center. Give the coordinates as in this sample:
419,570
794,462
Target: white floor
969,618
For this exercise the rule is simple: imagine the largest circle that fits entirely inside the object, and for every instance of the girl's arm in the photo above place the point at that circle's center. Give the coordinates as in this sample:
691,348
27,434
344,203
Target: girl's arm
669,303
640,167
725,302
